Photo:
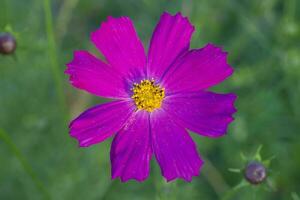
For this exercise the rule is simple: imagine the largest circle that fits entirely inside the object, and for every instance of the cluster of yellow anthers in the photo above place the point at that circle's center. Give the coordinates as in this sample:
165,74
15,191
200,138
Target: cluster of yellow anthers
147,96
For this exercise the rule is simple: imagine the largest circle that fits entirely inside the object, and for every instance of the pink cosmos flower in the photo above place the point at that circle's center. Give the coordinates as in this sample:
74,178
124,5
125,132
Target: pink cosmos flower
156,98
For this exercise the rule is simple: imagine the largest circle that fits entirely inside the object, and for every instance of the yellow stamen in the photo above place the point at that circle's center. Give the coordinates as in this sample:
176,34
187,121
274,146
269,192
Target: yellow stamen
147,96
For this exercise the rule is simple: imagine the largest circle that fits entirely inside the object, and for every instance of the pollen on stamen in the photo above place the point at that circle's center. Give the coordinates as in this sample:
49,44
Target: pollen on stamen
147,95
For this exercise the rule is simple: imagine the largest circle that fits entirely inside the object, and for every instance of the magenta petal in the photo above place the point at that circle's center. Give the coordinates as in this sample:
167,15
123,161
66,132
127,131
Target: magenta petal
91,74
206,113
170,38
174,149
198,69
131,149
100,122
119,43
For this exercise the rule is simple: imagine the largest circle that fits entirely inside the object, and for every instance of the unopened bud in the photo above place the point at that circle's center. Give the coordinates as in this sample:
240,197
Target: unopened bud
7,43
255,172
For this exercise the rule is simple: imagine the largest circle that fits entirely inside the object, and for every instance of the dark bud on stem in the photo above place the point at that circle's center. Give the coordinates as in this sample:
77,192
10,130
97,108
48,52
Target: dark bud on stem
7,43
255,173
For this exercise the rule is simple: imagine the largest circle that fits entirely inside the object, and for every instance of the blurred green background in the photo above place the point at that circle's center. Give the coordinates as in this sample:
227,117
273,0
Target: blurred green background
39,160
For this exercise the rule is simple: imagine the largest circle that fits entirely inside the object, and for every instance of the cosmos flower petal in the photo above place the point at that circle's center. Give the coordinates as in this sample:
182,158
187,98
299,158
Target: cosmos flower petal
170,38
100,122
92,75
119,43
198,69
131,149
205,113
174,149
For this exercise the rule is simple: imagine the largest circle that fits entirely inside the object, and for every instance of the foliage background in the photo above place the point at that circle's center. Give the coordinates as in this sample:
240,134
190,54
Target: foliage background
39,160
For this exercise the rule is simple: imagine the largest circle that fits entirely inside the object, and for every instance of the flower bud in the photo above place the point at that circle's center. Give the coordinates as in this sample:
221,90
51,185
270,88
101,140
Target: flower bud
255,173
7,43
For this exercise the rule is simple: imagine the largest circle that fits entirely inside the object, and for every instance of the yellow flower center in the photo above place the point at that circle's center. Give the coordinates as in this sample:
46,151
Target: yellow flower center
147,96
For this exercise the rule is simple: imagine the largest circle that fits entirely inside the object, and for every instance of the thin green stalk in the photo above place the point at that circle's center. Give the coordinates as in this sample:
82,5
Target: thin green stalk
52,51
64,17
214,178
290,10
6,14
163,190
108,189
26,166
232,192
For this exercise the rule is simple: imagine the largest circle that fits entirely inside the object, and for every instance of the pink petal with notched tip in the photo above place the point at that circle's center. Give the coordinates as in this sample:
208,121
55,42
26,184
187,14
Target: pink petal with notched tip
173,147
100,122
205,113
170,38
118,41
197,70
131,149
92,75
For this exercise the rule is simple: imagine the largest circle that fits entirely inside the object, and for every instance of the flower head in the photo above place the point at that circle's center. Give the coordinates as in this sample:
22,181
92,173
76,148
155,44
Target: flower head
156,98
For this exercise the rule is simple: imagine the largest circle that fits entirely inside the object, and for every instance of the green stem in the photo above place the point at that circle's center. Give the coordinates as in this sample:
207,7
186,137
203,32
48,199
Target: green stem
289,10
108,189
163,190
214,178
64,17
232,192
26,166
52,51
229,195
6,12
